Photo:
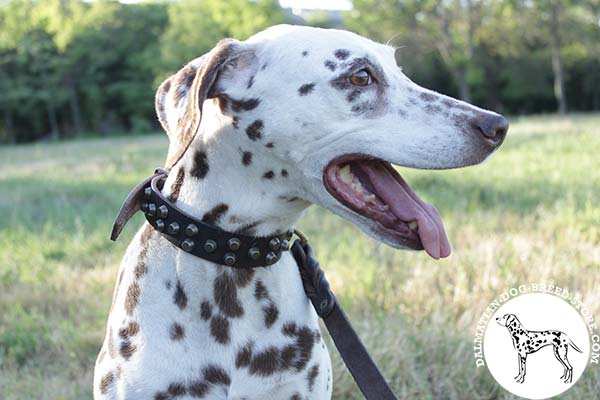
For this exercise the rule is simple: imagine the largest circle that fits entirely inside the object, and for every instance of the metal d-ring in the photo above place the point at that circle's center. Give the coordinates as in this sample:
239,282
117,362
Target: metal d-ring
301,236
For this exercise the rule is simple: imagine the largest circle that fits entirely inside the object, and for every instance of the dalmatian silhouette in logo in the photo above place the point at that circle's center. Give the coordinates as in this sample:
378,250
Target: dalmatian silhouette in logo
528,342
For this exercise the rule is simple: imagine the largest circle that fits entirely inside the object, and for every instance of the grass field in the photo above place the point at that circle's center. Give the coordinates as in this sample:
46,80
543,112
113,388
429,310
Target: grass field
531,214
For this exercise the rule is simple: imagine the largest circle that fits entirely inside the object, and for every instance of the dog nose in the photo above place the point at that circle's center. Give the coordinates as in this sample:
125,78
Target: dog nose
493,127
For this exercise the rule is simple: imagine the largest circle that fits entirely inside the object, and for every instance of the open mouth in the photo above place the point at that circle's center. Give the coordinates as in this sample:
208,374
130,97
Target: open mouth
374,189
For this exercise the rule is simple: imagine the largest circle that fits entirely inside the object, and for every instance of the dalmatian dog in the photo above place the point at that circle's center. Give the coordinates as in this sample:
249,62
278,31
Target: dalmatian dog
259,130
528,342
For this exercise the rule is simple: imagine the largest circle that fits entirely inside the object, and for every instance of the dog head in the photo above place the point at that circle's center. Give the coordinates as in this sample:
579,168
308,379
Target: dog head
337,112
508,320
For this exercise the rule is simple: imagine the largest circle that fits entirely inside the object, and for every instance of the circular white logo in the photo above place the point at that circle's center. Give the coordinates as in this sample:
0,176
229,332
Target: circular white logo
536,345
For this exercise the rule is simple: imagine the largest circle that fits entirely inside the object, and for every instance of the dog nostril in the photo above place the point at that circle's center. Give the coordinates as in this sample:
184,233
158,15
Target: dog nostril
492,126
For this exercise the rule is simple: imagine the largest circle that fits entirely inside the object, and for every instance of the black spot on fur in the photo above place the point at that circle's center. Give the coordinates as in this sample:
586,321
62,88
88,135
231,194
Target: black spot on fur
176,332
211,375
184,80
235,121
223,103
433,108
353,95
246,158
244,104
254,130
198,389
205,310
270,145
313,372
330,65
177,389
455,104
200,166
132,298
289,329
243,277
250,82
244,356
265,363
304,344
130,330
271,314
225,292
363,108
306,89
215,214
161,396
269,175
459,120
166,87
291,356
216,375
126,349
219,329
260,290
187,79
304,53
140,269
179,297
106,382
176,187
428,97
341,54
284,173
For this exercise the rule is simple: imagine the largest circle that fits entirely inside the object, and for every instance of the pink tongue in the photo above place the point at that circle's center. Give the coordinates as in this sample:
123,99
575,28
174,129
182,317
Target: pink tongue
407,206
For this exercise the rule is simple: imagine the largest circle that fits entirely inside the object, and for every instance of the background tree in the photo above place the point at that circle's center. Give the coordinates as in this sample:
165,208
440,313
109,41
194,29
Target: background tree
69,67
196,26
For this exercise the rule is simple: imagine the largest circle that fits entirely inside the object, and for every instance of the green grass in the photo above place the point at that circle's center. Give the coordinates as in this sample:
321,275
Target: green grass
531,214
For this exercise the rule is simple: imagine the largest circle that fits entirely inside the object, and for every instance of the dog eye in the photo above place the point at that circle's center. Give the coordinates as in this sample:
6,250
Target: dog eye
361,78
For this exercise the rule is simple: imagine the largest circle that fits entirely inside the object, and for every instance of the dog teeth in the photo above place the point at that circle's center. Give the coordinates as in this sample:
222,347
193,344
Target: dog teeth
356,185
346,175
370,198
413,225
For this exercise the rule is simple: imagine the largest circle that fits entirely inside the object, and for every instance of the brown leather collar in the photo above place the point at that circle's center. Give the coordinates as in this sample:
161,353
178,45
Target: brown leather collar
194,236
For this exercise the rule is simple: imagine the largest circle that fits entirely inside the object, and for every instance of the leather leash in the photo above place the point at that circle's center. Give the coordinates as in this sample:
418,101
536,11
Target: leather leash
356,357
241,251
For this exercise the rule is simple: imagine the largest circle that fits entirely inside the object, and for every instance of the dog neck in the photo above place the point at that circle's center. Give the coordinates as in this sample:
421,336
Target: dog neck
244,189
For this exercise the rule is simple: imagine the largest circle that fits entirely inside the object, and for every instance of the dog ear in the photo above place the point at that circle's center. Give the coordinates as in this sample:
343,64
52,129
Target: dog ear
180,98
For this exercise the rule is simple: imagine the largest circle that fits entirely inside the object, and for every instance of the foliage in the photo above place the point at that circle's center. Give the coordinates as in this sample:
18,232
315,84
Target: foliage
496,53
195,26
68,67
